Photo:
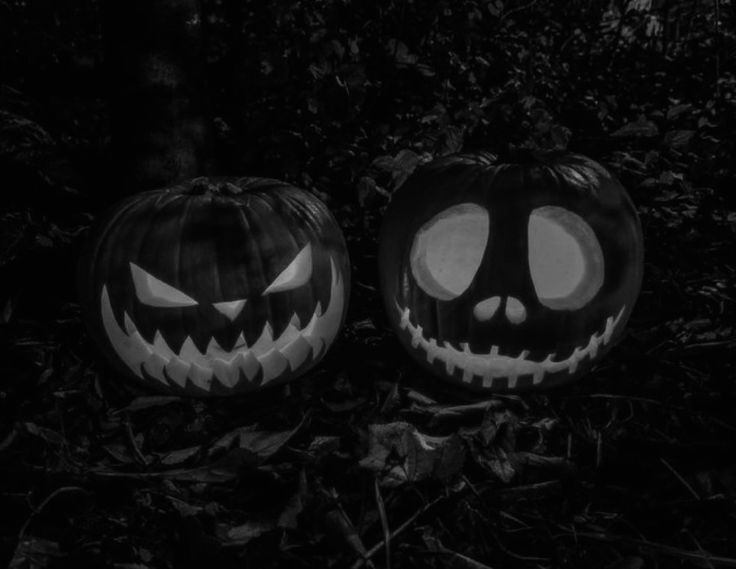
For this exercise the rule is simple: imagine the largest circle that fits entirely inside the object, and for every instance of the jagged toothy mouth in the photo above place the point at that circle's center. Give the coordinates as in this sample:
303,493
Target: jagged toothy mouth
493,365
267,359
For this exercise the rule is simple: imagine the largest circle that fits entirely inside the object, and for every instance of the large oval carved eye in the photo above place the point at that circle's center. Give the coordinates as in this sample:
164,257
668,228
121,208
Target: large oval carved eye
565,258
296,274
155,292
448,250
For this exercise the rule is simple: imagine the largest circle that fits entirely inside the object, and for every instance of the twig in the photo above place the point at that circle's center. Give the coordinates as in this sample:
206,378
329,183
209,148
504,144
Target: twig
668,550
719,45
680,478
528,491
338,517
459,560
519,9
384,521
134,445
652,402
376,548
38,509
9,438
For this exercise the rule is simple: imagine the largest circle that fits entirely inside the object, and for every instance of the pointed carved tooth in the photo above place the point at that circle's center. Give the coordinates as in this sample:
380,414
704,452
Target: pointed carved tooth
329,322
494,351
154,366
289,334
318,309
138,347
273,364
240,343
161,347
609,330
467,376
265,341
296,352
512,379
416,338
488,380
312,335
318,346
214,349
189,351
523,355
177,371
248,364
227,372
538,375
465,347
295,322
132,349
129,325
200,376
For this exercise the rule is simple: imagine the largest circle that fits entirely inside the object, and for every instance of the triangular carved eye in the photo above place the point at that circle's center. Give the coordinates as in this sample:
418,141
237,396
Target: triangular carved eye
296,274
155,292
448,249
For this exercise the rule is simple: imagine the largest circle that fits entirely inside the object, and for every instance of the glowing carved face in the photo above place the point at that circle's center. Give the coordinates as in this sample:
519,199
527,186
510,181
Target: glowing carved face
251,291
502,285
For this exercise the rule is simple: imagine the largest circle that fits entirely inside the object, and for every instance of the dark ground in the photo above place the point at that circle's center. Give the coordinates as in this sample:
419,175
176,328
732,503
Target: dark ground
632,467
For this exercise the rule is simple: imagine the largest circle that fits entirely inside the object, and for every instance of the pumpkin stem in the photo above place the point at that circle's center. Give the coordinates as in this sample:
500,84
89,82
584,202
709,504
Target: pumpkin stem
522,155
199,186
205,185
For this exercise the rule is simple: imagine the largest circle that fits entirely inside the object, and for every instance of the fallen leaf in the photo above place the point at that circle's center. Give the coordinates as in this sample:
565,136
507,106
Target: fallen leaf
639,128
400,453
34,553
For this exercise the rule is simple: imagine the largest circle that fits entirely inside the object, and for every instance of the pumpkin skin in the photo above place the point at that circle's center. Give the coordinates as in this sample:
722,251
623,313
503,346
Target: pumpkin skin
510,276
215,286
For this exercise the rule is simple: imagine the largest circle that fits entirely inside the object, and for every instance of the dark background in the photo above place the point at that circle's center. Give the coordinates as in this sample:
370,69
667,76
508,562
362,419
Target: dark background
634,466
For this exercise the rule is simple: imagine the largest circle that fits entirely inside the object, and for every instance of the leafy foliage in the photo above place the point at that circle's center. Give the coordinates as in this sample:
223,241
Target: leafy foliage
368,462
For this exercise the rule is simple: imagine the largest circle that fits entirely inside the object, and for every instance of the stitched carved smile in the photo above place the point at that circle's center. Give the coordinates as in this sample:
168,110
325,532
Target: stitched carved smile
267,359
493,366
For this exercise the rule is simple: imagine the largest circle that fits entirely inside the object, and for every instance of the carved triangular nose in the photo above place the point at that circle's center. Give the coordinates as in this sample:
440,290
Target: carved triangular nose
230,309
486,309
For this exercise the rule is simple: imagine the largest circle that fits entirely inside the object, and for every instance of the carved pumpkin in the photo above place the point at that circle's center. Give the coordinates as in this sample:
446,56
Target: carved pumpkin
505,276
216,286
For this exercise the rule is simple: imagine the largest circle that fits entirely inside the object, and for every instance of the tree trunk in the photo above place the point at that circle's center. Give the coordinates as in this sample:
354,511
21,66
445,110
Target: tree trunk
156,77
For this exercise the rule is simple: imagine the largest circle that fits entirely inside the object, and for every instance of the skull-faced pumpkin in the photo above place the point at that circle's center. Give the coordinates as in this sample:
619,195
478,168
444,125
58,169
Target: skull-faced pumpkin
505,276
216,286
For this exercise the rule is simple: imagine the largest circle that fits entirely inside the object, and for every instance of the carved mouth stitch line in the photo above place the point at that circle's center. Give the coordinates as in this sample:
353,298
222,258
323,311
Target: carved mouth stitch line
494,365
272,357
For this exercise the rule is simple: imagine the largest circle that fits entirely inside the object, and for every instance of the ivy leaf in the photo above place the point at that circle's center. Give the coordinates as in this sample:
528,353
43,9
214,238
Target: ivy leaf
677,110
400,453
400,53
678,139
641,128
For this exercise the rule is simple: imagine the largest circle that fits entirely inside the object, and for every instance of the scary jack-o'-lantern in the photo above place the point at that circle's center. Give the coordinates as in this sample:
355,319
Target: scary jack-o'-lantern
215,286
510,275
